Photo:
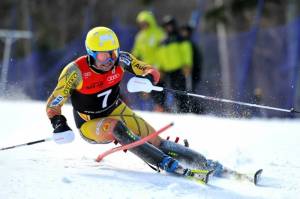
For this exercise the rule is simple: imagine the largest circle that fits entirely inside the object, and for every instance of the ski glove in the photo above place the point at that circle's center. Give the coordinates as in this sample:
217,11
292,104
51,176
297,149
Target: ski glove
149,77
62,133
153,75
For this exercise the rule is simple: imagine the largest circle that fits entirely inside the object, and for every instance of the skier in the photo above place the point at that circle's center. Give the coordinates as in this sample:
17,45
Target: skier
92,83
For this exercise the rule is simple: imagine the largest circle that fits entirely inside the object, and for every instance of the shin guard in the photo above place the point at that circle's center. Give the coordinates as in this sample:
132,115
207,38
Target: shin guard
183,154
146,151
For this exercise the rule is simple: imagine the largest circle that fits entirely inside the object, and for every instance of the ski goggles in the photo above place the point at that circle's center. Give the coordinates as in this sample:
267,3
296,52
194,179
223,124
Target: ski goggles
104,58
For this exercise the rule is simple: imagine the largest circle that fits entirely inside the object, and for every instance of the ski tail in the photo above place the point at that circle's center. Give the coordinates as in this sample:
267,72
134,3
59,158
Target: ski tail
242,176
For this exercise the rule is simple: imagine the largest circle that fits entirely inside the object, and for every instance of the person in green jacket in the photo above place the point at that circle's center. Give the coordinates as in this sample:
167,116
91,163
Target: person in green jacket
146,46
186,32
148,38
175,62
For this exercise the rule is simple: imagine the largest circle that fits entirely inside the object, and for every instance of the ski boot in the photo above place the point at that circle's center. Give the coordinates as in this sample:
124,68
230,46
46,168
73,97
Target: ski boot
171,165
216,166
190,157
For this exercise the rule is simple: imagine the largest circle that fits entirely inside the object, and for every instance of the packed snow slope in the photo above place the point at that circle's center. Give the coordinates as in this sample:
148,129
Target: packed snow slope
47,170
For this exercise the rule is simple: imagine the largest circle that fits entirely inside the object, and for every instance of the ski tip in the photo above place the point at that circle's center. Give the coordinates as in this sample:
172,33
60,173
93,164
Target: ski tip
257,176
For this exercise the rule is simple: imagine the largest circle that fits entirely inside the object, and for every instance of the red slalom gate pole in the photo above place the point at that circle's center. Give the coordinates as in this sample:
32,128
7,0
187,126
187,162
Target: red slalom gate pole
133,144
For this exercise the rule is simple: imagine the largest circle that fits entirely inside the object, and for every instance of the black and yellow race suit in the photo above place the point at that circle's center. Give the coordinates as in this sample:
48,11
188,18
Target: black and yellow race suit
96,95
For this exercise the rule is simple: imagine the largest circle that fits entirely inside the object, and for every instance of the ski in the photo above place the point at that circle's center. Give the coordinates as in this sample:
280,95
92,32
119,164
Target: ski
199,175
244,177
257,176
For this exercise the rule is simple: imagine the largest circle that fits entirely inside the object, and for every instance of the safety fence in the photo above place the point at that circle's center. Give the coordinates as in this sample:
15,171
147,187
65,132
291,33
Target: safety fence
264,68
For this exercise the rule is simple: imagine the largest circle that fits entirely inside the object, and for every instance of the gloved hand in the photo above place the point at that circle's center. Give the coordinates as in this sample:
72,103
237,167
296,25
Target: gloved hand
153,75
62,133
149,77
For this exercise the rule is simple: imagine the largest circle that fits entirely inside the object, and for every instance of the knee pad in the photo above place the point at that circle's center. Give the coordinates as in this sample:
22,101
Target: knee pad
123,134
98,131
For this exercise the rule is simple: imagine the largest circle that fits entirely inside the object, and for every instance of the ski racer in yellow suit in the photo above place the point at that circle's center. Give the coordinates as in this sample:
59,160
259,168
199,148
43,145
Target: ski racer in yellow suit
92,83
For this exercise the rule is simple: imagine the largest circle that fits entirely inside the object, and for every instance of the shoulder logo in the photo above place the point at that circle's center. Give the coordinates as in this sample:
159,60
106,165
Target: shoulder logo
69,83
125,59
140,67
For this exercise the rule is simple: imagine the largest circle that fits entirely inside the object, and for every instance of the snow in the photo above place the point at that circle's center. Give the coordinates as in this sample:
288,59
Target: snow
48,170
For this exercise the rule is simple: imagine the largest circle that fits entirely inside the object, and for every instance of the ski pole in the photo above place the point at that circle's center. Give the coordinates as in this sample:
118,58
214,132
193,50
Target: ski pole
137,84
25,144
292,110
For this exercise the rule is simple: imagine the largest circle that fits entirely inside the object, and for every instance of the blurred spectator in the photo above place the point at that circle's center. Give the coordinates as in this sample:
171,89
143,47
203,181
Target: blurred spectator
186,32
175,63
146,44
148,38
258,99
